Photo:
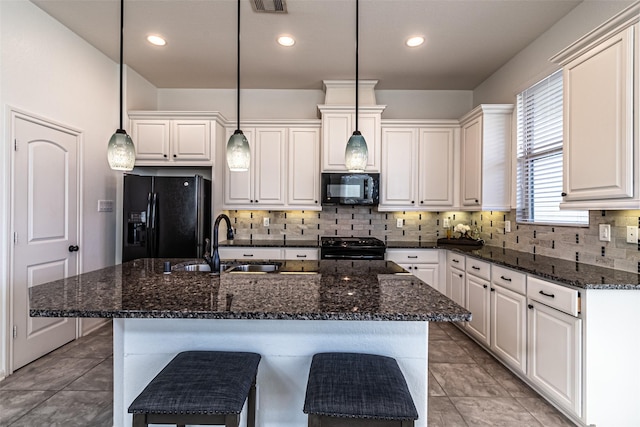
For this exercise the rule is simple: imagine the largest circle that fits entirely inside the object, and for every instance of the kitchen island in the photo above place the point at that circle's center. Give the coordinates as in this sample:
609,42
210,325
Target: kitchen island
305,308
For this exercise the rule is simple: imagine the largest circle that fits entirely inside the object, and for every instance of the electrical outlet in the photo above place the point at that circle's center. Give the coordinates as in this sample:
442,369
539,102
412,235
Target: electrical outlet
265,222
446,223
632,234
507,226
399,222
604,232
105,205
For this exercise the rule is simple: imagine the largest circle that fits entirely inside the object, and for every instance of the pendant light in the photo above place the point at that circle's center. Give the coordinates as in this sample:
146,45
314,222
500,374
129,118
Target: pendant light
238,151
121,153
355,156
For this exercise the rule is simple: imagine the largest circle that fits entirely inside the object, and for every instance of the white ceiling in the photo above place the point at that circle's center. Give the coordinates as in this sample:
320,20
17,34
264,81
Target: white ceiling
467,40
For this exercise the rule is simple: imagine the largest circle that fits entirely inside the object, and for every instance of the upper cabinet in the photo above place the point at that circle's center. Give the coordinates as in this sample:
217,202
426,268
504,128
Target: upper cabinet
418,165
485,158
284,171
338,124
601,116
173,138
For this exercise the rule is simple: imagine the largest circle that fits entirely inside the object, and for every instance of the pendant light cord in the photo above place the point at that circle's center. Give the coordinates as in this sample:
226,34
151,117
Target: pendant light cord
357,40
121,55
238,71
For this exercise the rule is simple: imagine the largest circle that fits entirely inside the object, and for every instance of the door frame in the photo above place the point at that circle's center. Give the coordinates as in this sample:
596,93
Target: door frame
13,113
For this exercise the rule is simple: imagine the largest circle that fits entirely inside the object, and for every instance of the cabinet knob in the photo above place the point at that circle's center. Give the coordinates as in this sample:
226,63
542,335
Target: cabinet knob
563,194
530,307
250,201
74,248
413,201
256,200
421,201
175,155
476,200
165,156
460,275
485,286
316,202
493,290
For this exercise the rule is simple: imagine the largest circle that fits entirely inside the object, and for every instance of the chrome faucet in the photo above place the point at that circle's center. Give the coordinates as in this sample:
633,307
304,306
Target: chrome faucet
214,260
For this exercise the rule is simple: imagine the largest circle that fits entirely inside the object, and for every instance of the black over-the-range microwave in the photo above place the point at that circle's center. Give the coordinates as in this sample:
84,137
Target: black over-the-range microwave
350,188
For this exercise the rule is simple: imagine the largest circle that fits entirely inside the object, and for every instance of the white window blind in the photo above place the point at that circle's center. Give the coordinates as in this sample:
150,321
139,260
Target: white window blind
540,156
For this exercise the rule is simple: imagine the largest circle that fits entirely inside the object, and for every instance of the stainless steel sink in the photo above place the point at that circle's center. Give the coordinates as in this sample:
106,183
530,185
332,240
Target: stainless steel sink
253,268
196,267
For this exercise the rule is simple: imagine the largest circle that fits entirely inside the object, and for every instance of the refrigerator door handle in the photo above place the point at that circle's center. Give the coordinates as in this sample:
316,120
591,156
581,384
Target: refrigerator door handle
148,228
154,210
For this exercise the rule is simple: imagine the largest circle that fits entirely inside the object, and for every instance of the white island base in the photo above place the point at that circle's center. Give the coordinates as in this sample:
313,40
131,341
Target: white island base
142,347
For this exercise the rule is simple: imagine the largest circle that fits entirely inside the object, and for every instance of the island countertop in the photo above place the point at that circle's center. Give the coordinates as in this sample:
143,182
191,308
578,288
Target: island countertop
302,290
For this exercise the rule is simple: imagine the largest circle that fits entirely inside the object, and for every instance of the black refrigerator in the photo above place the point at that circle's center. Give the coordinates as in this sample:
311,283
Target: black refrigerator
165,216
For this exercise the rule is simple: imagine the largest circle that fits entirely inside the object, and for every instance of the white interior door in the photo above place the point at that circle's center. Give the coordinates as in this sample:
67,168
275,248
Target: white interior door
45,225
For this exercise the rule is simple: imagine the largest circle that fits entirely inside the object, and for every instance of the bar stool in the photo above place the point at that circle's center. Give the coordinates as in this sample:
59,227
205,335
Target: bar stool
201,388
364,389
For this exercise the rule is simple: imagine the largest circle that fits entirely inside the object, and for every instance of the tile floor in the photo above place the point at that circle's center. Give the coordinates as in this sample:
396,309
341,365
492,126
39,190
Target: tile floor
73,386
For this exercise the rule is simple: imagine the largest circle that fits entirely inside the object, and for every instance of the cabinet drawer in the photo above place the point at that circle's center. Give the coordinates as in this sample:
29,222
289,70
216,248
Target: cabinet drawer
419,256
556,296
301,254
250,253
510,279
455,260
479,268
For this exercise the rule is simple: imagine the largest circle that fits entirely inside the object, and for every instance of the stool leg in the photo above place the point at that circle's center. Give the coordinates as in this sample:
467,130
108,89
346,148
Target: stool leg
140,420
231,420
251,405
314,421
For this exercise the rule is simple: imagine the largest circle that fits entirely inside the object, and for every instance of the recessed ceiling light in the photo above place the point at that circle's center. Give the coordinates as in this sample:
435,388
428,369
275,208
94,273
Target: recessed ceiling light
156,40
286,41
415,41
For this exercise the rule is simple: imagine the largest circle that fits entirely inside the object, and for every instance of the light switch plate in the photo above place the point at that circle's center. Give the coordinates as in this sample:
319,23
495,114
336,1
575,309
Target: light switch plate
507,226
632,234
265,222
399,222
604,232
446,223
105,205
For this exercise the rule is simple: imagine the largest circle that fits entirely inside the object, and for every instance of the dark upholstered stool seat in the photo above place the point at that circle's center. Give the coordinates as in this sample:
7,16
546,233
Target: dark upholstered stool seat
357,386
200,387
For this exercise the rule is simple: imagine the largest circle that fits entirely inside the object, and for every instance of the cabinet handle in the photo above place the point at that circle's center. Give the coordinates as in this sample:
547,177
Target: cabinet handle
74,248
475,268
506,279
247,255
530,307
455,260
301,256
493,290
547,295
412,256
563,194
485,286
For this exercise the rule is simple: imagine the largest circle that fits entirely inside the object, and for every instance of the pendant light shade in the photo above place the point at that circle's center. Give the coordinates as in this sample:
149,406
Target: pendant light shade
121,153
238,150
356,153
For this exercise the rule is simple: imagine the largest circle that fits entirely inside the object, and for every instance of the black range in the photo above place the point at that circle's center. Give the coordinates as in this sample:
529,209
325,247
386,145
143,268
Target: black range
335,247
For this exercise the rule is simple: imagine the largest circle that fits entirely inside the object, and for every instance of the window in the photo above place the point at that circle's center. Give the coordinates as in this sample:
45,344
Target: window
540,156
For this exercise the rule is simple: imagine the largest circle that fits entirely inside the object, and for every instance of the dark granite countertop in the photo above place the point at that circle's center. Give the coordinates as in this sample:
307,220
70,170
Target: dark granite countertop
303,290
565,272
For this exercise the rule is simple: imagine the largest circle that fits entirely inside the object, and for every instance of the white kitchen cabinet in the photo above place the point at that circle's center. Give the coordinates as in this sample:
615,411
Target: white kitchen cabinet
301,254
600,96
417,165
509,317
477,297
263,185
249,253
554,347
485,158
304,168
422,263
173,138
338,124
456,278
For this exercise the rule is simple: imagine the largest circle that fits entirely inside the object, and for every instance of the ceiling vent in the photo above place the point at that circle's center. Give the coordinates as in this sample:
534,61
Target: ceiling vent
269,6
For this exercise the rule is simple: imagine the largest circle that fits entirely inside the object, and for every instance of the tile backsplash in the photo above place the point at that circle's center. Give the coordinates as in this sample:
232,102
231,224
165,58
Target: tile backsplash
571,243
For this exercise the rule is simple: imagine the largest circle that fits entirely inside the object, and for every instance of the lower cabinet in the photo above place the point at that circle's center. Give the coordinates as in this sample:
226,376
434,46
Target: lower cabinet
249,253
422,263
555,345
509,317
301,254
477,297
456,278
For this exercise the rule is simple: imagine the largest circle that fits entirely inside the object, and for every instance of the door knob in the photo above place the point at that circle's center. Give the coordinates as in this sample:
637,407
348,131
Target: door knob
73,248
